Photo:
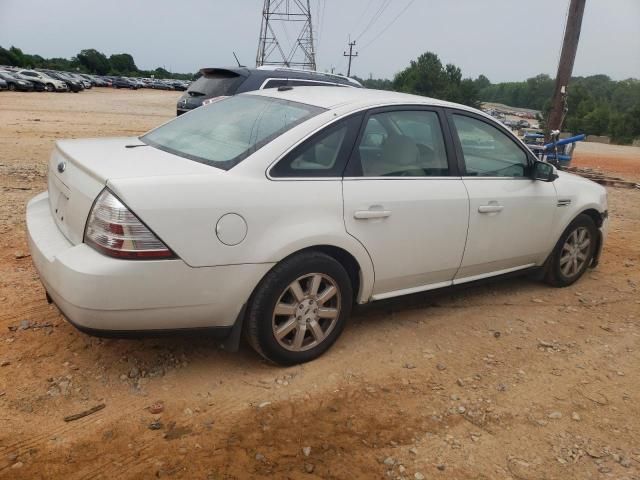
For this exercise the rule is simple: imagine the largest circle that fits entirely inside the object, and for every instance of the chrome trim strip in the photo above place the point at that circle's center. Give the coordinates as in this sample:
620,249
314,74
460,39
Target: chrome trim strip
457,281
465,178
408,291
402,178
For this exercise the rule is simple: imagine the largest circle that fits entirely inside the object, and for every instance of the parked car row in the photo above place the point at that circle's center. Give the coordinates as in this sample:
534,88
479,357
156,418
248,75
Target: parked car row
39,80
135,83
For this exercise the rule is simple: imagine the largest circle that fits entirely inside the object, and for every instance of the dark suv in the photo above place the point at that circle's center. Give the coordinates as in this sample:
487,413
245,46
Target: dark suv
218,82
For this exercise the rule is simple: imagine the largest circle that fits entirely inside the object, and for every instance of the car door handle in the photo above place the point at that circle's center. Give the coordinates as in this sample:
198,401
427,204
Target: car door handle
367,214
490,208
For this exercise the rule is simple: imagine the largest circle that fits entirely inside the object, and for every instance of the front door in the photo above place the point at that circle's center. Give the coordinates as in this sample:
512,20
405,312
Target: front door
404,203
510,215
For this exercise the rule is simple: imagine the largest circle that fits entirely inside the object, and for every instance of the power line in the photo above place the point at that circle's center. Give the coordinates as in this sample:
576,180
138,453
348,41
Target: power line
375,17
389,24
363,15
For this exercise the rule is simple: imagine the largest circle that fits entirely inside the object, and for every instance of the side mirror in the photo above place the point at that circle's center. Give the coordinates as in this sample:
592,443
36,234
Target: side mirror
544,171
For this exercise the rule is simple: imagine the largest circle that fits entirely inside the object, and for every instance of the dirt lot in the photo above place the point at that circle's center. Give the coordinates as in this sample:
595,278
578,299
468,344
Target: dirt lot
510,380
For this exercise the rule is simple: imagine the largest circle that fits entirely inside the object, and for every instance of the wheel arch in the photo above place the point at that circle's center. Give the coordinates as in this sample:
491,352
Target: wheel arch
357,263
598,219
595,215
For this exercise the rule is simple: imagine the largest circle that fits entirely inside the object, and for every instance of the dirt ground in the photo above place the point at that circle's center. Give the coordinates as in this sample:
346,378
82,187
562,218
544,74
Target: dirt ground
509,380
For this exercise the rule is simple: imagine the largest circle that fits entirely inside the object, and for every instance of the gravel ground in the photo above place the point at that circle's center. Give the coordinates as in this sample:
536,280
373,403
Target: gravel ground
508,380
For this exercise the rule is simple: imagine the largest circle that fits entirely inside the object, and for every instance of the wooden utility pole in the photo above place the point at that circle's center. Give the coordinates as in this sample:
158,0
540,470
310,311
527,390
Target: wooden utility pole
565,66
350,55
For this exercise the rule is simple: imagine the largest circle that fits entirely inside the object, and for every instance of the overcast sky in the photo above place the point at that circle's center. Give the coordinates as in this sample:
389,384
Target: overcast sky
503,39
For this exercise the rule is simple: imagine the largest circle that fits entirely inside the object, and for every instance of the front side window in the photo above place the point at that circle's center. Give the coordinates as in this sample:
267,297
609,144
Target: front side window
487,151
324,155
404,143
224,133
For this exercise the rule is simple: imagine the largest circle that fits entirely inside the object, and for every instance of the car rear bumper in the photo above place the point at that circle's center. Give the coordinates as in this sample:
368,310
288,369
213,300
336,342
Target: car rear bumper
100,294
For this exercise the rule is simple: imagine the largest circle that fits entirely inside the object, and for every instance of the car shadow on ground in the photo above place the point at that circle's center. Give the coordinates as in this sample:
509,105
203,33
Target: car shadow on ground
457,295
201,349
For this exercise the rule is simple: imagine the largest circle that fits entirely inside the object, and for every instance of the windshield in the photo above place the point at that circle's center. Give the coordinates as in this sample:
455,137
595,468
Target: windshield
224,133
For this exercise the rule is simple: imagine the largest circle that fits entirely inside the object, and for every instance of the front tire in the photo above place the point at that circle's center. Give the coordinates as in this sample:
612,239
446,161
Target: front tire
50,87
573,253
299,309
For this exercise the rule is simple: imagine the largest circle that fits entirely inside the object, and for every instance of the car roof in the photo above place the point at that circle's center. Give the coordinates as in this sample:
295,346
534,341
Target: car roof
334,97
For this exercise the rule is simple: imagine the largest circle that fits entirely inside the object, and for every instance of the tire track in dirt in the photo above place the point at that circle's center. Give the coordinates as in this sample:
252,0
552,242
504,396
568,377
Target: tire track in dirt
28,311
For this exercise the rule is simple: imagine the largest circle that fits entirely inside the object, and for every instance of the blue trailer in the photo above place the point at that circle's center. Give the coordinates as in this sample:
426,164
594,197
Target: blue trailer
558,152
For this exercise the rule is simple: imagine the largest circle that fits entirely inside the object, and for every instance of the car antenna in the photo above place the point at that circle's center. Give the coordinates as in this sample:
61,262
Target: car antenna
238,61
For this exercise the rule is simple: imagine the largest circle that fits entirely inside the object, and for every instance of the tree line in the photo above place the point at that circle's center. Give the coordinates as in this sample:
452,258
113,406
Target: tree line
597,105
86,61
428,76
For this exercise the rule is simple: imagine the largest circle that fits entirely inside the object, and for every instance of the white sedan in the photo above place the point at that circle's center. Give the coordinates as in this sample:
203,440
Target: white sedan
273,212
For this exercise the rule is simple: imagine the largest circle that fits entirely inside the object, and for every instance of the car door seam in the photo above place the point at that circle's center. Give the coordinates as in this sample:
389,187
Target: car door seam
466,238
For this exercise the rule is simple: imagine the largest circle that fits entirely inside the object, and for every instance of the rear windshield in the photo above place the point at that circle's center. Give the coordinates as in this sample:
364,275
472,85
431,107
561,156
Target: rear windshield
224,133
215,85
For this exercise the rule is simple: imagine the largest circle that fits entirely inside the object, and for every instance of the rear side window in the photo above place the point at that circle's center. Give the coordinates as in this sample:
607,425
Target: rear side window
403,143
215,85
225,132
323,155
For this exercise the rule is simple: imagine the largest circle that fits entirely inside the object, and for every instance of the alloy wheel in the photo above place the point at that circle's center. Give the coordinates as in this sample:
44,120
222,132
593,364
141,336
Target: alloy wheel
575,252
306,312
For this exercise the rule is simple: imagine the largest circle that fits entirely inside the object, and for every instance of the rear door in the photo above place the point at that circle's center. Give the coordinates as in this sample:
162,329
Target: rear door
510,214
404,200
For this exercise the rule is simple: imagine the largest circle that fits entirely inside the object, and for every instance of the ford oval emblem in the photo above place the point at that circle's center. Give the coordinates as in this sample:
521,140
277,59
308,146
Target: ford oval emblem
62,166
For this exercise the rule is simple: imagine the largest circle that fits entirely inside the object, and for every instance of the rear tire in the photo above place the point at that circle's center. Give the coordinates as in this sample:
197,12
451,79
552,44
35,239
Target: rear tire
299,308
12,87
573,253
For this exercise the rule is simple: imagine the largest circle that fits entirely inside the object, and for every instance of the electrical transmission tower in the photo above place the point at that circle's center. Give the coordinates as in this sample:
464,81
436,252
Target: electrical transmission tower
276,15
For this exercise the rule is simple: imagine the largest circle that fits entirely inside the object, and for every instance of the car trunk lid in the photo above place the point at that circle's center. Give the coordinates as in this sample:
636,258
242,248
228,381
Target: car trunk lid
80,169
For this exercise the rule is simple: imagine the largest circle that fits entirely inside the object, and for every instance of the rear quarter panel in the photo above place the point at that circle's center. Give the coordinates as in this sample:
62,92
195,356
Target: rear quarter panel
282,218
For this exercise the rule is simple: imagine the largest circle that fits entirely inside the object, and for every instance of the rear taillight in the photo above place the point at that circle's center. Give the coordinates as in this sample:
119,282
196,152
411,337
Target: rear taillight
114,230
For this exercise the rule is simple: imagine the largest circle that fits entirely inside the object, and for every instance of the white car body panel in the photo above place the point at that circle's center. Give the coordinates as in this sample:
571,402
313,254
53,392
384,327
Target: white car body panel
420,238
73,191
95,291
577,194
433,237
515,235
